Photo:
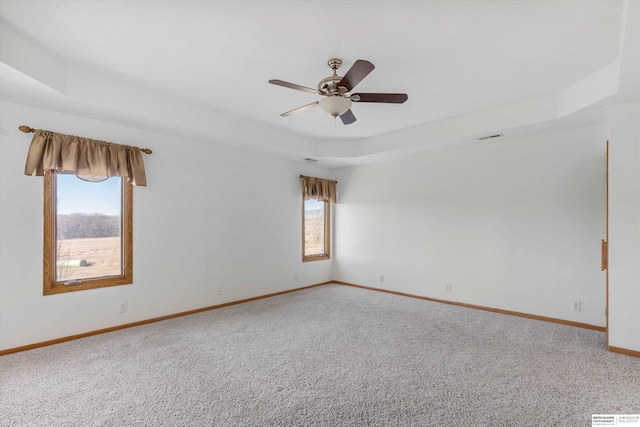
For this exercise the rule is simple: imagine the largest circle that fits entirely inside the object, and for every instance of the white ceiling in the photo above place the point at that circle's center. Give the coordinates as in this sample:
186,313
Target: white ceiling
462,63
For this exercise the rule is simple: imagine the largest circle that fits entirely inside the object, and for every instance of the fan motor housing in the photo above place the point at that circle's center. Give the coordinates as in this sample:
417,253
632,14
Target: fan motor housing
329,86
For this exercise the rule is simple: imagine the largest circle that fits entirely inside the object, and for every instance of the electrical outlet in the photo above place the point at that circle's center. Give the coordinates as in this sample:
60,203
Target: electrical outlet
576,305
295,277
124,307
381,278
447,287
219,291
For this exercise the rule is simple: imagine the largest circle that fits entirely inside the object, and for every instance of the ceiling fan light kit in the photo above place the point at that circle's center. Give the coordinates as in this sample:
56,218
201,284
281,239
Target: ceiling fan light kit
335,89
335,105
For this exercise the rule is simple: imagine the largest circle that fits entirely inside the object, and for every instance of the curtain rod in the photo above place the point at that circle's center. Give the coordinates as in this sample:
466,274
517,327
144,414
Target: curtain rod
27,129
304,176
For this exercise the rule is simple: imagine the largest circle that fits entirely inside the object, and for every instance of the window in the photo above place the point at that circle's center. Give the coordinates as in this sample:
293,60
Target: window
87,233
316,218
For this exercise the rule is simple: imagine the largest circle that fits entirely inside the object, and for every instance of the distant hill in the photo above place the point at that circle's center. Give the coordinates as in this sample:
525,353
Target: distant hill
85,226
313,213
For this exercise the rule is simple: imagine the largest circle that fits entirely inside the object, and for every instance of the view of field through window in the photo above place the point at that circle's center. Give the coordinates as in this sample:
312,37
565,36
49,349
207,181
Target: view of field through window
314,227
88,228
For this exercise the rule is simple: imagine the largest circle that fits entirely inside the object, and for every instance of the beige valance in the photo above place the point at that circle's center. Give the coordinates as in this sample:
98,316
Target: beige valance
89,159
320,189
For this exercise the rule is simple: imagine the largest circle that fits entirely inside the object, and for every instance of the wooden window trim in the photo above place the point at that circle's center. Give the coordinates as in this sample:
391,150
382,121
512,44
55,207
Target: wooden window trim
50,286
327,235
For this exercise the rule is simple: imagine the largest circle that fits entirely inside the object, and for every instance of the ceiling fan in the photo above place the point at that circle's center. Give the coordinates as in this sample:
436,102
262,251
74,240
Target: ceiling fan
335,90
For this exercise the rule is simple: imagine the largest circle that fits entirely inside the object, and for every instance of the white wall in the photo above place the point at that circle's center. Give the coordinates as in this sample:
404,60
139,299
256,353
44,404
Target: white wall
624,226
514,224
210,217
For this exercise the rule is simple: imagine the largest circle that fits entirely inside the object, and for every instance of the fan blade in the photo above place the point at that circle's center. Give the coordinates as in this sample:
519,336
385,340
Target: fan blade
294,86
390,98
348,117
356,73
299,109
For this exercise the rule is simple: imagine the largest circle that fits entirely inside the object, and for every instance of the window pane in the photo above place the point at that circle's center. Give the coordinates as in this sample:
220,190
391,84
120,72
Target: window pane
314,212
88,228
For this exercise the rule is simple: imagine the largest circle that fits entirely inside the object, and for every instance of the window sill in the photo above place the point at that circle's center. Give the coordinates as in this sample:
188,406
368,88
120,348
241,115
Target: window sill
315,258
60,288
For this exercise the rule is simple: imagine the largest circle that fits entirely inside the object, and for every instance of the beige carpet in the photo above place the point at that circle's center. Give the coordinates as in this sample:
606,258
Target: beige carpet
326,356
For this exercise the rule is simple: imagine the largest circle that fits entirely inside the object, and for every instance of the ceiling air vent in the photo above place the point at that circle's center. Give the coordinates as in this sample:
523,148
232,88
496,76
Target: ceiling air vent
497,135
